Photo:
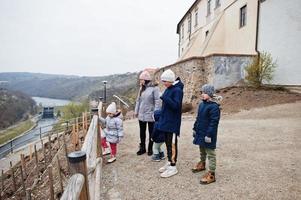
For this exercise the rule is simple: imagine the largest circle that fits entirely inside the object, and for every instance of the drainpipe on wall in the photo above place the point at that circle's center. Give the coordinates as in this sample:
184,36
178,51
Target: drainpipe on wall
257,26
190,25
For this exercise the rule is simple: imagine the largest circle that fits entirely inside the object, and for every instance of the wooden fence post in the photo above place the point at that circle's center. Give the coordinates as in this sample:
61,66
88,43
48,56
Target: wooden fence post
36,157
30,152
58,139
99,149
23,164
66,151
49,146
86,121
60,174
2,180
28,194
2,184
44,153
13,176
51,182
77,125
77,161
22,181
73,136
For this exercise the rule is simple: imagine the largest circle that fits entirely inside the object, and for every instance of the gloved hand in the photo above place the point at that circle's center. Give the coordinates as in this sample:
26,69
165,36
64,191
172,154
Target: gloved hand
207,139
193,133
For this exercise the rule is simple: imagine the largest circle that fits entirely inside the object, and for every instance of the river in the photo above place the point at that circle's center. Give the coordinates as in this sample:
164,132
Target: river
50,102
43,125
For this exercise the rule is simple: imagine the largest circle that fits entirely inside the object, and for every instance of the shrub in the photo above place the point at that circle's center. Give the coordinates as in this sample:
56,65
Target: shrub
261,70
73,110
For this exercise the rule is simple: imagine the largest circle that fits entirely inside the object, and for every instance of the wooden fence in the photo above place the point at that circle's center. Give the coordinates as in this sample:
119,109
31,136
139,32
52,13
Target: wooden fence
43,172
87,162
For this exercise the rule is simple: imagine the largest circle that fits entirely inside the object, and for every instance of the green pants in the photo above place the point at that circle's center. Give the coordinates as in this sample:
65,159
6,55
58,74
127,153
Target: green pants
210,153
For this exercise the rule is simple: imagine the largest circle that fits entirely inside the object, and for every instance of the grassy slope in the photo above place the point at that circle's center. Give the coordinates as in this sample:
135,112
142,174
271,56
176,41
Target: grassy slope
17,130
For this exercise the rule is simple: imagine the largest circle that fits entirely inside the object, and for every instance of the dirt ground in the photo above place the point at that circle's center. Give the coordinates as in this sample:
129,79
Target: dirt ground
236,99
258,157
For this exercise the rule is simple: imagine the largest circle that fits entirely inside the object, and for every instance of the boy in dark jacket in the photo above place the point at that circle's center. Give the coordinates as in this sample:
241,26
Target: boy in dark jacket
205,132
170,119
158,137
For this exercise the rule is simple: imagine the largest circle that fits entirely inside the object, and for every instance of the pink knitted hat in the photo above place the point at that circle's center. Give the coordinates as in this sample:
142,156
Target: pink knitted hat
145,76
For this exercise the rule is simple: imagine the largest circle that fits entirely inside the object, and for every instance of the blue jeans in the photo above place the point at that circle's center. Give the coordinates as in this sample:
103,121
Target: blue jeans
157,147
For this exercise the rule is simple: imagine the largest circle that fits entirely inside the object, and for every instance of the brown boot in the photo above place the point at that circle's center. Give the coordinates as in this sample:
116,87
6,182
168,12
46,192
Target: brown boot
208,178
200,166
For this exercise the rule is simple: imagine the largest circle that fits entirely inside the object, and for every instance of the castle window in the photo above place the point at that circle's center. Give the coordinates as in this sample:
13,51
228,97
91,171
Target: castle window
189,24
182,30
243,16
196,17
217,3
208,7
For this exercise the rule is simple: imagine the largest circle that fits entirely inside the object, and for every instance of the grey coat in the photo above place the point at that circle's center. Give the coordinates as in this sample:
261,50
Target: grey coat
114,129
147,103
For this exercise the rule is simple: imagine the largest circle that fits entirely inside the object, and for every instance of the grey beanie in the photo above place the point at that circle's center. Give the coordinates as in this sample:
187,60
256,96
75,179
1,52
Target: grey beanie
208,89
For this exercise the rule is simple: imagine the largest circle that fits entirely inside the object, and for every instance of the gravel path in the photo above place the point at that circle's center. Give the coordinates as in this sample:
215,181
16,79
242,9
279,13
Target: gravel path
258,157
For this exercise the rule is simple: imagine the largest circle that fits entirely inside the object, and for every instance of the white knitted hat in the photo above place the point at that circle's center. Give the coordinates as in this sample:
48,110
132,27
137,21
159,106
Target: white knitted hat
168,76
145,76
112,108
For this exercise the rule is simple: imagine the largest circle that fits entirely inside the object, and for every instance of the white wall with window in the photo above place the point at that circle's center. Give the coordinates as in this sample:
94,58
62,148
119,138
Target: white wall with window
282,38
232,30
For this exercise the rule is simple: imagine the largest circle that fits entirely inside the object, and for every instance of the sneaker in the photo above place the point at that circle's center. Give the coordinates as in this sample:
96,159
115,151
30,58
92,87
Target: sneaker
162,156
164,168
200,166
208,178
156,158
112,159
106,151
171,171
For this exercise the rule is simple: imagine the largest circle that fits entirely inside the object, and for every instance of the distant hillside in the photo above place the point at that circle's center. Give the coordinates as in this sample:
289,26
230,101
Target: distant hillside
71,87
14,106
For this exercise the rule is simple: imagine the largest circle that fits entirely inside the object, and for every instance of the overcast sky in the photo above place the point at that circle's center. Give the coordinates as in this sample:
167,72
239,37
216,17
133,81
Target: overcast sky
88,37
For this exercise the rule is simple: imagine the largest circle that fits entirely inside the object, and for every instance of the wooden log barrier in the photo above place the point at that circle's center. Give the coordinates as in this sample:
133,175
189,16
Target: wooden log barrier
74,188
77,163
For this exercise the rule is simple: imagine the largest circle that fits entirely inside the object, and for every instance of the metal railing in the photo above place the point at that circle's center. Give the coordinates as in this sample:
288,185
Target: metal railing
17,143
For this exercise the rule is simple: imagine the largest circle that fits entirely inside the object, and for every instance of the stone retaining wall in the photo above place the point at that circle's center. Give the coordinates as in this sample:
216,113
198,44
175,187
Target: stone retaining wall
220,70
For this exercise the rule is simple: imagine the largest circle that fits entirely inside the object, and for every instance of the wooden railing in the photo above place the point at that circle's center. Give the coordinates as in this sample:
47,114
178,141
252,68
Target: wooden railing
87,162
74,187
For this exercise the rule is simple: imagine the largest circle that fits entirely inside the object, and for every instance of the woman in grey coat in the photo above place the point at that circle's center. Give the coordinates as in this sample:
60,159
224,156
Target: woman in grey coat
148,101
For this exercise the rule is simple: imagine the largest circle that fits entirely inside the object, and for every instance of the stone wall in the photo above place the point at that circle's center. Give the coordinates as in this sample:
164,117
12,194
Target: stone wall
192,72
227,70
220,70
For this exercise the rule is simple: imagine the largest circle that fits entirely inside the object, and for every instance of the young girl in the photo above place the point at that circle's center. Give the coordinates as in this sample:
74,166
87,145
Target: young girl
147,102
113,133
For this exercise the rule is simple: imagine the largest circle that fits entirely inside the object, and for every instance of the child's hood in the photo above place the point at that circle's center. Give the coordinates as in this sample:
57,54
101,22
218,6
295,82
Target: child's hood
178,83
217,99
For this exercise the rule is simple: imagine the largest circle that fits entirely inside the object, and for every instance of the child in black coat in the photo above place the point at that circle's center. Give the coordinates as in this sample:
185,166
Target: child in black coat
158,138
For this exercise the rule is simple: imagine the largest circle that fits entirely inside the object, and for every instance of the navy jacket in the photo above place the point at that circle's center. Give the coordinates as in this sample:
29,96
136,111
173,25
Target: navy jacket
157,135
171,112
206,124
